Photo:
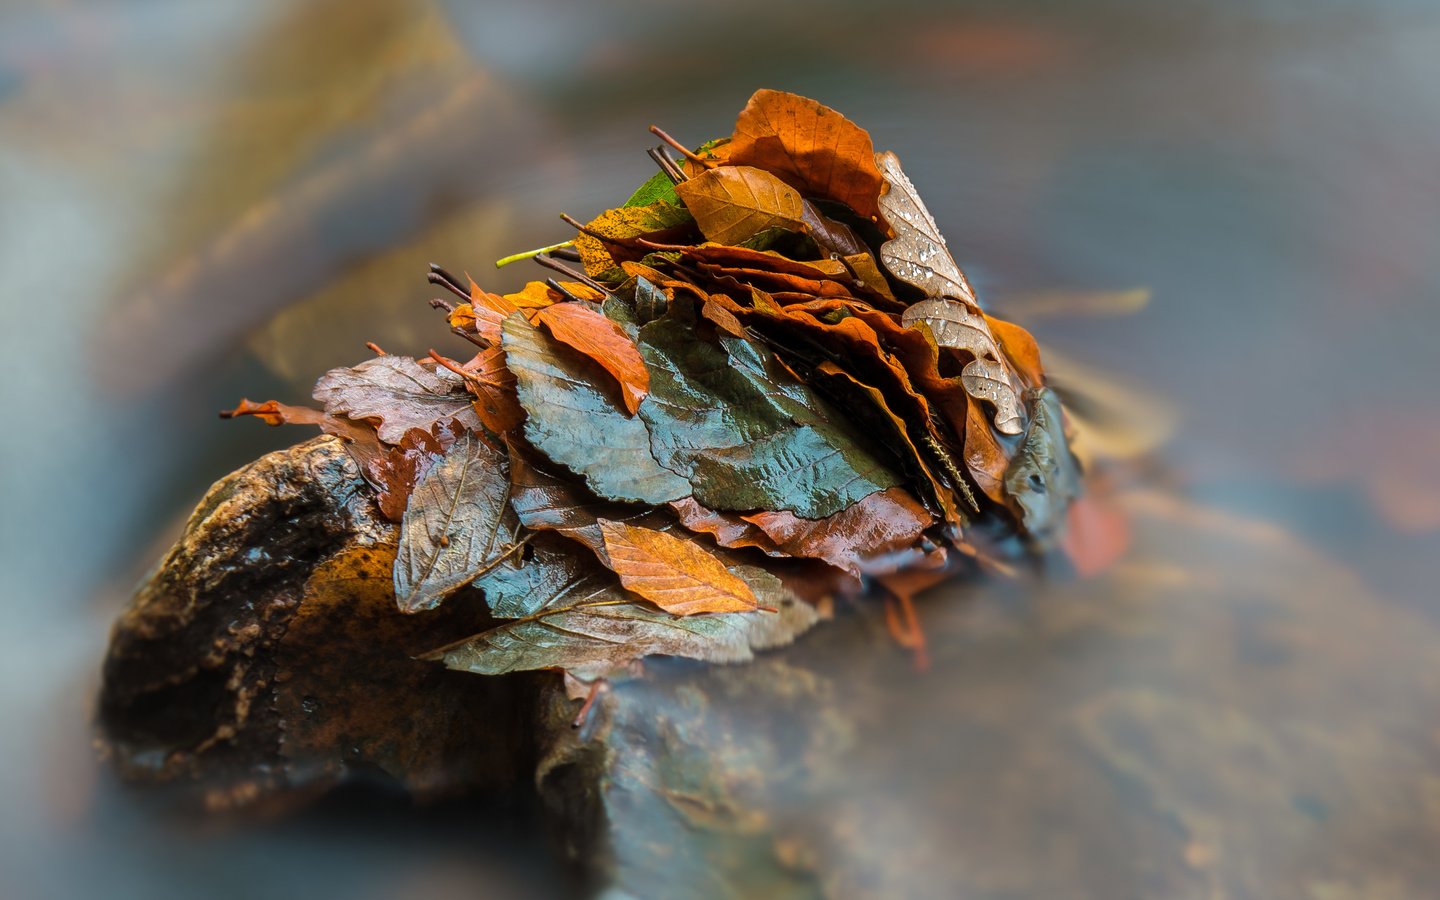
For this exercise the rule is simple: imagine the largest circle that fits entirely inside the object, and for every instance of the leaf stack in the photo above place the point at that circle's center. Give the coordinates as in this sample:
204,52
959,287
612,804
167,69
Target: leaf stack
760,382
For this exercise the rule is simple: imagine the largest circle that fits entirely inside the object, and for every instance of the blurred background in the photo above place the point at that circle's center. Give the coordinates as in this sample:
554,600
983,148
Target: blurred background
206,200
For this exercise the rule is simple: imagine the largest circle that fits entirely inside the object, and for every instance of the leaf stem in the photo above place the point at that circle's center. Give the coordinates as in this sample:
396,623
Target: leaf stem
528,254
684,151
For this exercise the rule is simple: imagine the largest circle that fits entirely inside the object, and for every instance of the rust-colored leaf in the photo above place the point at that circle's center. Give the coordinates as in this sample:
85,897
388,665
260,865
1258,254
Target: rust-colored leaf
810,146
494,387
676,575
401,468
732,204
396,391
360,439
728,529
602,340
870,536
486,311
1020,349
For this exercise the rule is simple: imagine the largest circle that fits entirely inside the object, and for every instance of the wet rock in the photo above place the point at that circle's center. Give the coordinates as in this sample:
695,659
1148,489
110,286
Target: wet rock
264,661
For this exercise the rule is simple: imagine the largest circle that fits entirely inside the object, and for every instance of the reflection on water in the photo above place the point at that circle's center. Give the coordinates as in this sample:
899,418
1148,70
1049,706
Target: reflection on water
207,200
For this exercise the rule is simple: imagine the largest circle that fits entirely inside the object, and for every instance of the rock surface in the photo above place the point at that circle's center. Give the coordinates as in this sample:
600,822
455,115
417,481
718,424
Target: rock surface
1226,714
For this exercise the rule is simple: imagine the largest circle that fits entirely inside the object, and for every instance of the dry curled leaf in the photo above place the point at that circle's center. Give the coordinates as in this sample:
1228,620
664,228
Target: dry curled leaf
676,575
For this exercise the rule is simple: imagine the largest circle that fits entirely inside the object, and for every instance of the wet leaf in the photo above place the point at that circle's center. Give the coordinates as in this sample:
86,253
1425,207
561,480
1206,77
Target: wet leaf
745,433
494,387
486,310
734,203
809,146
728,529
587,622
402,466
605,342
917,255
676,575
574,422
858,539
451,531
398,393
959,325
1043,477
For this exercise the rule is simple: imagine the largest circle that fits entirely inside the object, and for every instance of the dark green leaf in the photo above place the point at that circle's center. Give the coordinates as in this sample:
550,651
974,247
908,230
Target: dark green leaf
745,433
573,422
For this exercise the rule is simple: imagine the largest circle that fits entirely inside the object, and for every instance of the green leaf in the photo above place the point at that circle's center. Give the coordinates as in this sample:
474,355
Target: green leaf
1043,476
744,432
574,422
659,187
452,529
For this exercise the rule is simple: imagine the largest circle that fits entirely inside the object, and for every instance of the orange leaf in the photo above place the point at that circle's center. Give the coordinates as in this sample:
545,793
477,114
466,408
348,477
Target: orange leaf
602,340
734,203
488,311
676,575
1020,348
494,386
809,146
1097,533
534,295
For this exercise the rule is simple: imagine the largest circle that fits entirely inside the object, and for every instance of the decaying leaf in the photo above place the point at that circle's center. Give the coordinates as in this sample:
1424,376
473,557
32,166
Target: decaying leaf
959,325
573,421
606,343
1043,477
451,530
658,220
734,203
398,393
360,439
869,537
398,471
810,146
676,575
917,255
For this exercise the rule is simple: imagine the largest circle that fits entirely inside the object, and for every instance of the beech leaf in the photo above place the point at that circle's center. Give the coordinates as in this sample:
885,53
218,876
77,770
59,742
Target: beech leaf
626,223
808,145
573,422
917,255
585,621
746,433
734,203
451,531
398,392
676,575
605,342
866,538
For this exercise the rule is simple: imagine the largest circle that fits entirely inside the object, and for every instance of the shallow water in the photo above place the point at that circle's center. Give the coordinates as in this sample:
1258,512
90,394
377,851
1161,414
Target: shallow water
204,201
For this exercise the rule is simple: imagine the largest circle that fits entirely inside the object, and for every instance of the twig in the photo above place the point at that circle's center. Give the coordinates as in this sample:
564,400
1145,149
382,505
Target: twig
527,254
685,151
670,169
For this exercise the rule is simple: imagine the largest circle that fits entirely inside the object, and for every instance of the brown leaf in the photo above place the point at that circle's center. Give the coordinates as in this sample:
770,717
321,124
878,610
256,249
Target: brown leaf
398,392
728,529
494,386
676,575
487,311
398,470
360,439
1020,349
604,341
810,146
917,255
867,538
734,203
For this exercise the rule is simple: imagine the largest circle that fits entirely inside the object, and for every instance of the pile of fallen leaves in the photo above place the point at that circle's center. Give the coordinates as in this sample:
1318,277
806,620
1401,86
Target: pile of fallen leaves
761,383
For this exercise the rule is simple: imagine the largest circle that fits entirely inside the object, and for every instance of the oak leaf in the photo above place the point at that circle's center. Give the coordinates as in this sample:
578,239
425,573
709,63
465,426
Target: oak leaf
676,575
959,325
917,255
